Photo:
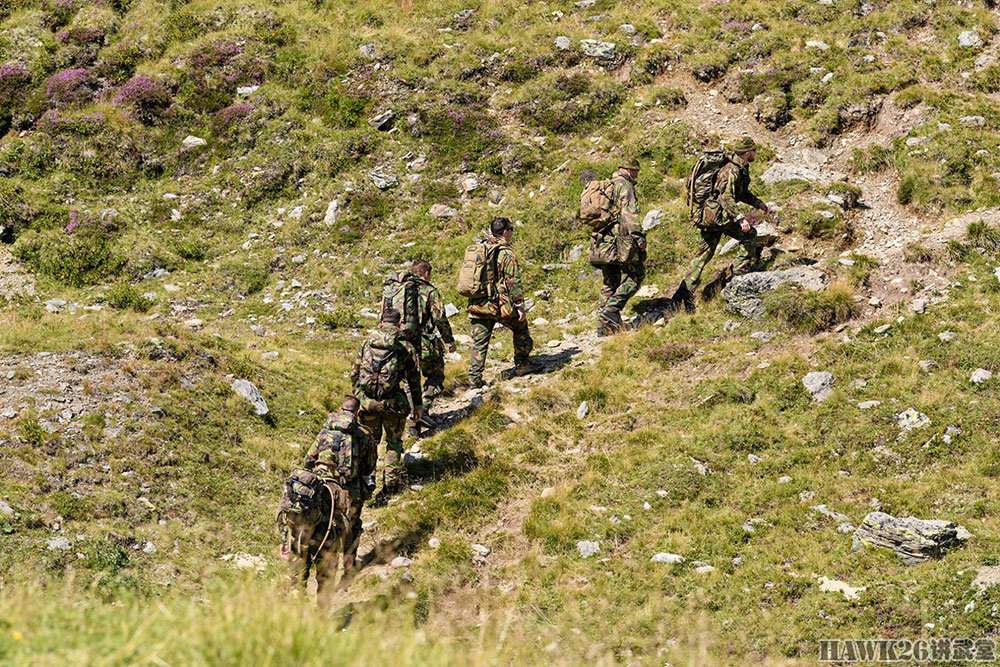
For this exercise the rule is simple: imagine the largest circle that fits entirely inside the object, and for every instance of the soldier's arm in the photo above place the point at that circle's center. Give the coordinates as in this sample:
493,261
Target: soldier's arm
509,278
369,453
628,206
310,459
728,195
440,319
356,369
753,200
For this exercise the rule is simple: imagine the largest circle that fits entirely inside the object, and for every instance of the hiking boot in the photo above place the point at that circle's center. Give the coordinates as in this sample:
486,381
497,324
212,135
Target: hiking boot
684,297
476,383
609,322
716,284
528,367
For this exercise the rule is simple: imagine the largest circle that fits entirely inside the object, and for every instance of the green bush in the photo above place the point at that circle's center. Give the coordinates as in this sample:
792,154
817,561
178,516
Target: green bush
248,277
84,258
812,312
340,318
123,296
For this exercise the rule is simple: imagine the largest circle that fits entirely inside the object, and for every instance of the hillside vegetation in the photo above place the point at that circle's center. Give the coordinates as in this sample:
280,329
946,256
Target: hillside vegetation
198,191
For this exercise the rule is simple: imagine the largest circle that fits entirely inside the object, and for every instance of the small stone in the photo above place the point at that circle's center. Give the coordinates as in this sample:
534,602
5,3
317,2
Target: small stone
299,259
149,548
441,211
587,548
383,121
835,586
5,509
400,561
817,44
548,492
450,310
563,43
58,543
246,91
670,559
784,479
469,183
332,213
704,569
980,376
434,543
369,51
582,410
987,577
654,218
819,384
753,459
970,39
879,330
947,336
480,550
868,405
926,364
593,48
972,121
192,141
194,323
248,391
910,419
383,179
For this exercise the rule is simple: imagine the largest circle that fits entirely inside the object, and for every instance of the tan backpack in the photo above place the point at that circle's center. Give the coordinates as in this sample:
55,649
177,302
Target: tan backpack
597,204
477,273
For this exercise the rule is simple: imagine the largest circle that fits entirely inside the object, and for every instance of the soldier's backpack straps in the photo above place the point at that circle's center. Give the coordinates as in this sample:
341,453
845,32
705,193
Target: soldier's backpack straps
701,182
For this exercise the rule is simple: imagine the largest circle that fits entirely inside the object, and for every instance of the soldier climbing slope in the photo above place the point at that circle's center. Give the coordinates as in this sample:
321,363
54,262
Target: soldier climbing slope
617,242
320,511
491,279
435,333
718,184
383,364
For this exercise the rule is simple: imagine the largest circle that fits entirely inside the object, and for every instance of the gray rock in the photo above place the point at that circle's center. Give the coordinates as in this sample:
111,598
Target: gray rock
563,43
369,51
469,183
440,211
593,48
58,543
980,376
400,562
587,548
910,419
249,392
55,305
450,310
987,577
5,509
653,219
972,121
819,384
780,172
668,558
332,213
383,179
817,44
383,121
970,39
767,234
868,405
192,141
947,336
582,410
744,293
837,586
914,540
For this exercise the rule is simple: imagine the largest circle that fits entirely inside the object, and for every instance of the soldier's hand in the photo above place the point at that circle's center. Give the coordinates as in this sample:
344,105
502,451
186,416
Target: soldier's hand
418,414
452,348
745,226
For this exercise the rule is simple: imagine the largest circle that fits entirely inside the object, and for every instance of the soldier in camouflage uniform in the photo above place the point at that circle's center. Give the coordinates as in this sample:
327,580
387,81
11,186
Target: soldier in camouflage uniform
721,215
386,409
343,457
623,277
435,333
507,308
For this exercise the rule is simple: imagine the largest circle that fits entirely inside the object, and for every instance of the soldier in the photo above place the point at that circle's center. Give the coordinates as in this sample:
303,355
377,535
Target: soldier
381,367
720,215
435,333
623,276
321,515
505,306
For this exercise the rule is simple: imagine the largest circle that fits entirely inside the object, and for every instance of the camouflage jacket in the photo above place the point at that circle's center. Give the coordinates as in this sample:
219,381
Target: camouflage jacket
733,186
508,277
433,321
626,204
396,402
343,451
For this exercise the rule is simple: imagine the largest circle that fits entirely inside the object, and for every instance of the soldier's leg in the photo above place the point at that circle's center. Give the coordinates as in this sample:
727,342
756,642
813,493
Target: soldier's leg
482,331
523,344
750,258
706,250
608,319
393,473
432,368
632,277
353,537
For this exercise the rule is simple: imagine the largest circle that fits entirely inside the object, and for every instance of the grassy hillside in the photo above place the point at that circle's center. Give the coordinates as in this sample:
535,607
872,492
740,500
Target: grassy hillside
210,189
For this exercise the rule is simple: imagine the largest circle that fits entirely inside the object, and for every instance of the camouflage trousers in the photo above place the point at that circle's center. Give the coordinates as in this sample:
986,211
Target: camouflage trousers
621,282
389,418
432,368
710,237
482,332
311,549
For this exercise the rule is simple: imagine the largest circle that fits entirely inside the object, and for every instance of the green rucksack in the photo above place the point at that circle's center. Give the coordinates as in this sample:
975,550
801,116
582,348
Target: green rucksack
336,450
379,370
701,183
400,292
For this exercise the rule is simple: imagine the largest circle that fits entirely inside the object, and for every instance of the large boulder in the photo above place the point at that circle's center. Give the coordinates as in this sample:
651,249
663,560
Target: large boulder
744,294
914,540
780,172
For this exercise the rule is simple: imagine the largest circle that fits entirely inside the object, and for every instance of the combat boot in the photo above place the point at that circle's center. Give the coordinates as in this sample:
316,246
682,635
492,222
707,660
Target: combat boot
609,322
526,367
392,478
684,297
717,284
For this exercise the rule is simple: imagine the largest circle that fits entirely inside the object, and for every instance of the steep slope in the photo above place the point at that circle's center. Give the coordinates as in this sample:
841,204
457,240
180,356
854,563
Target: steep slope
199,191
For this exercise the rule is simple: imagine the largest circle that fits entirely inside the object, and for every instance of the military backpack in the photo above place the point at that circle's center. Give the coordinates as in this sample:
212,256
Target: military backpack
380,371
400,291
477,275
336,450
597,205
701,183
302,491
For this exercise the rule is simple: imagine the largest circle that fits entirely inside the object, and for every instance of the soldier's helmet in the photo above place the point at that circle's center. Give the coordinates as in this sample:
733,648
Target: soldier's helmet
630,163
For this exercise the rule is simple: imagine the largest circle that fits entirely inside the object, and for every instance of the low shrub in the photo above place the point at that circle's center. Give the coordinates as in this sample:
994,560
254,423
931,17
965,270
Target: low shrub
123,296
83,258
812,312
